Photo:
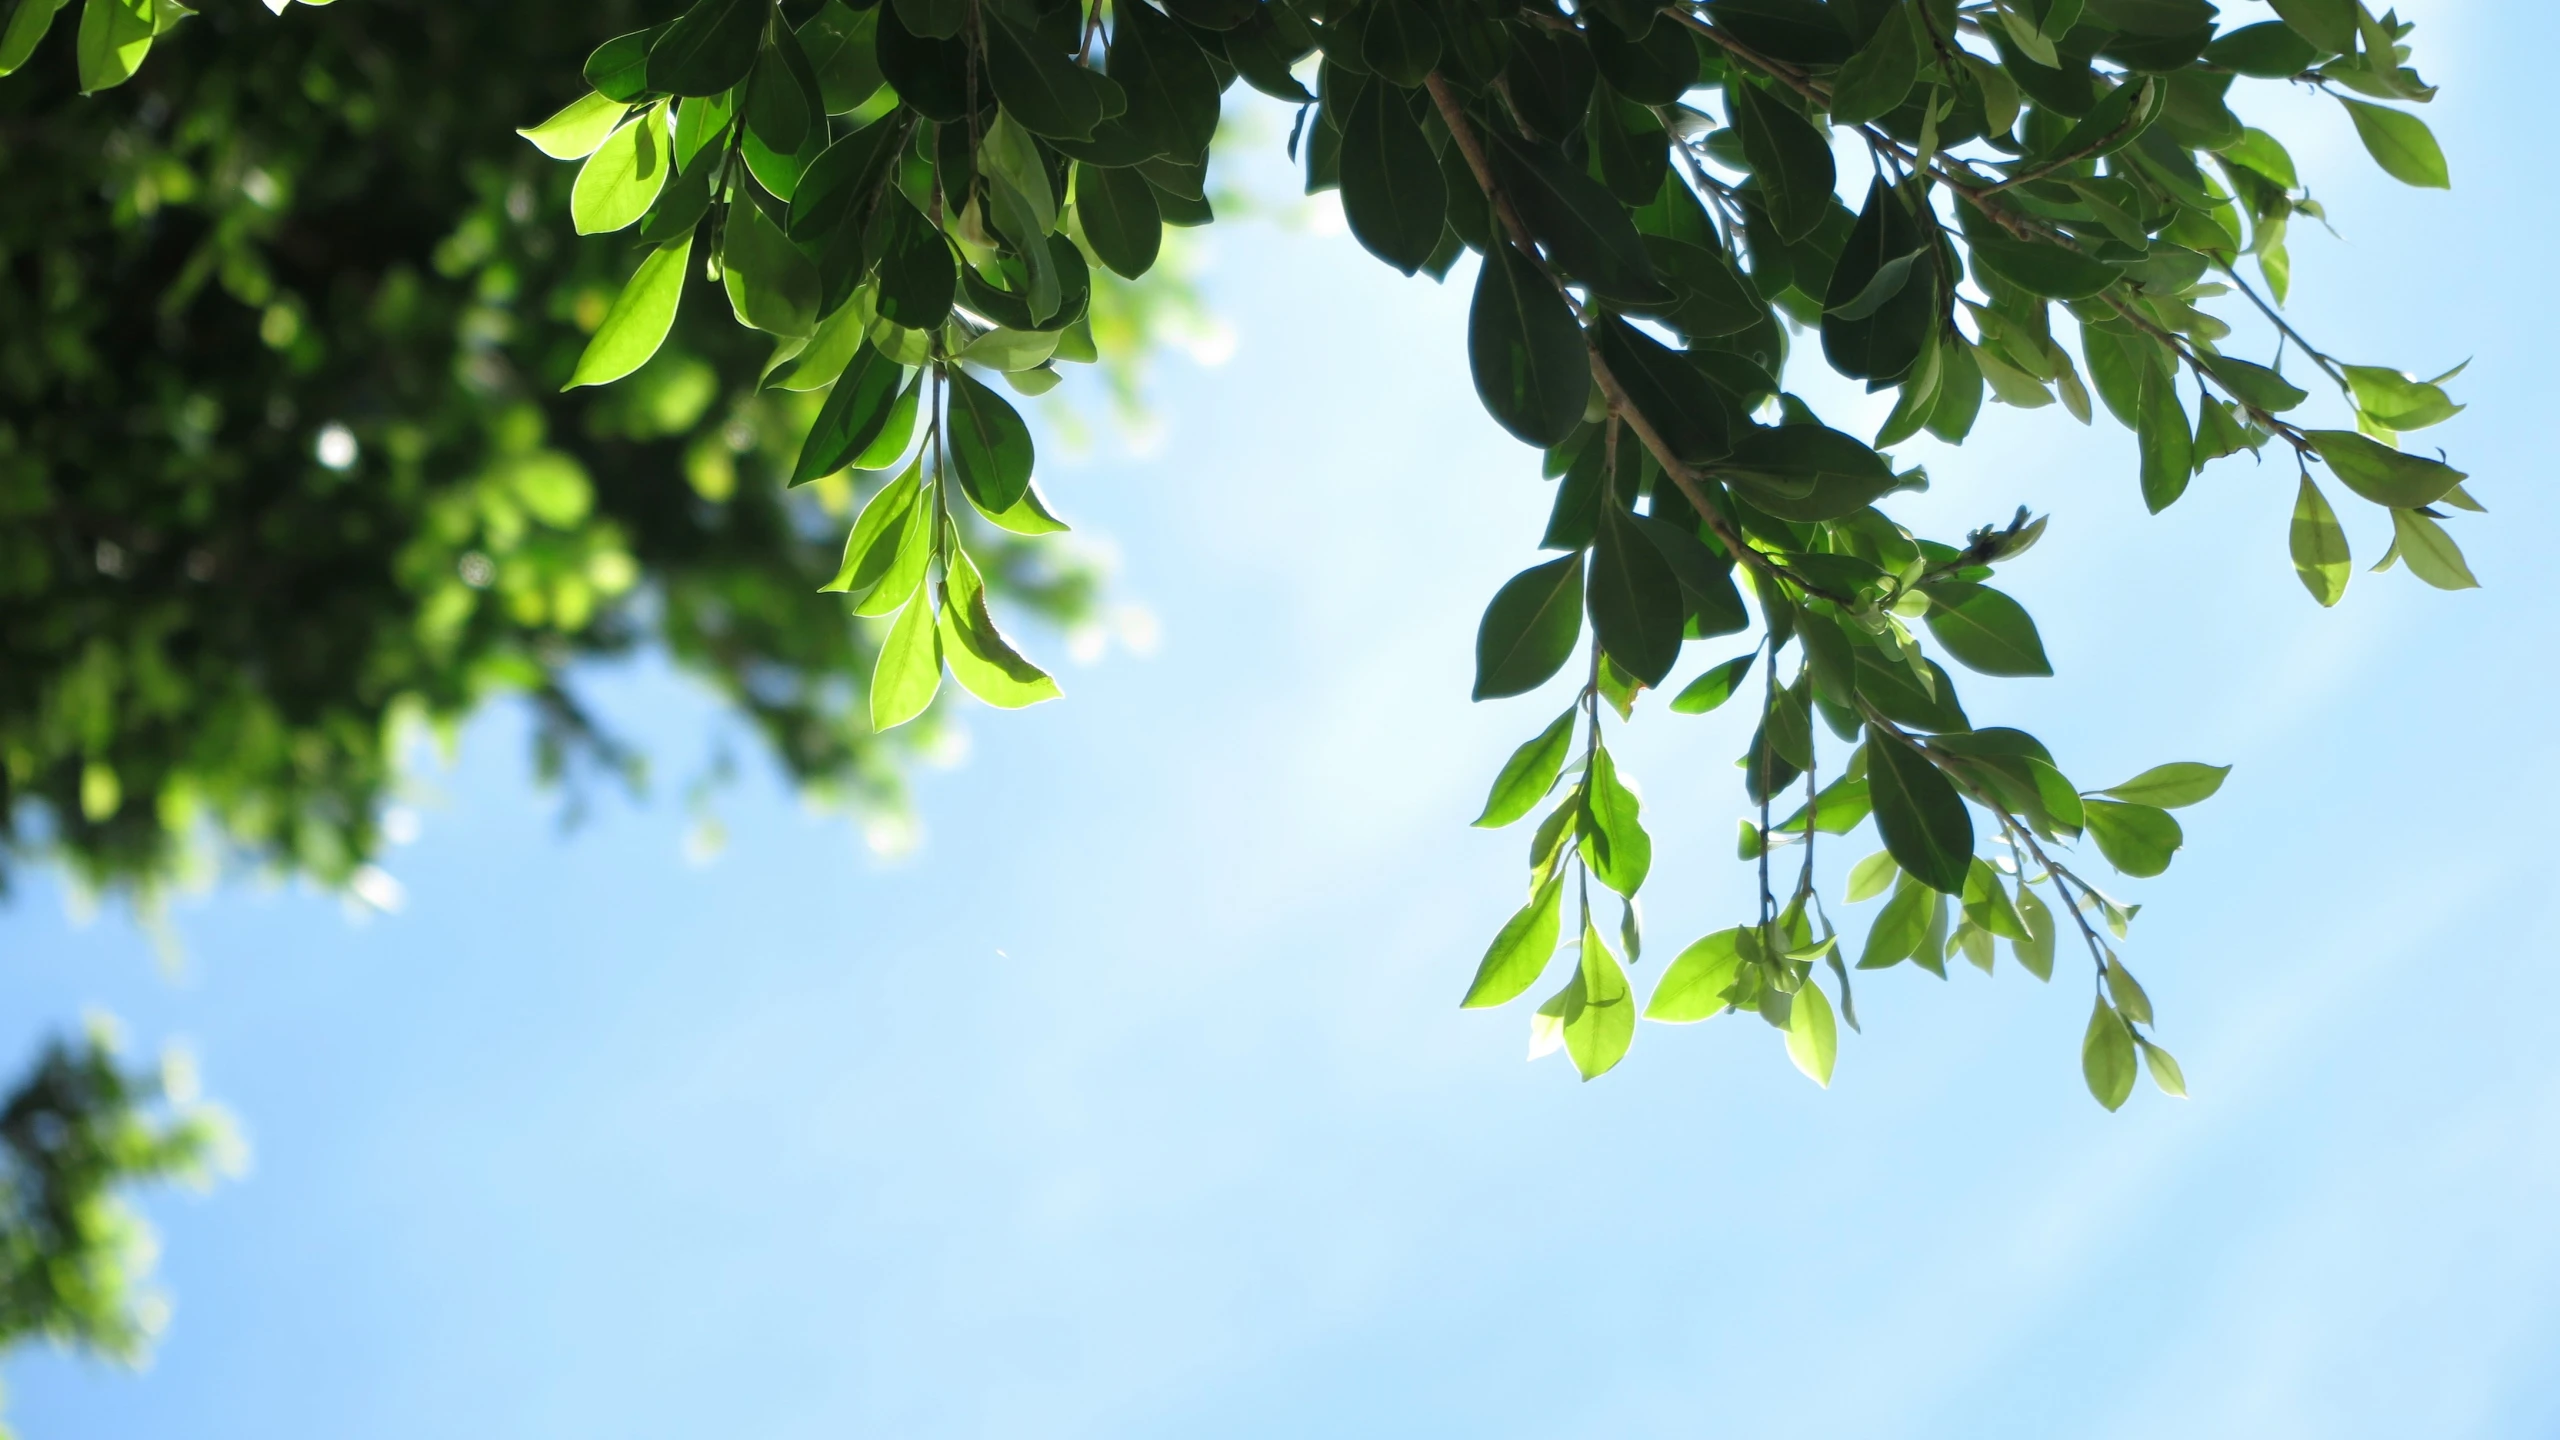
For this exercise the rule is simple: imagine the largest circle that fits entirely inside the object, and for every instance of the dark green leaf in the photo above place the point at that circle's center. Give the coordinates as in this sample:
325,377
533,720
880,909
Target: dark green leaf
1986,630
1172,94
990,446
857,410
918,274
1922,819
1706,577
1530,628
1888,684
1391,187
1118,208
618,68
1672,394
709,48
1882,302
1576,220
1045,92
1788,155
1525,351
1636,606
1875,80
1806,473
1656,69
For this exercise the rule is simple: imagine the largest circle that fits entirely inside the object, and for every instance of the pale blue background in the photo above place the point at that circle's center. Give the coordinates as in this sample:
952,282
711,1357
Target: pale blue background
1135,1103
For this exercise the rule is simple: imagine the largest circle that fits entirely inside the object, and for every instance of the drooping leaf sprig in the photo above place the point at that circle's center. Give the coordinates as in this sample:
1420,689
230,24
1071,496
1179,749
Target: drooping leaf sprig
910,196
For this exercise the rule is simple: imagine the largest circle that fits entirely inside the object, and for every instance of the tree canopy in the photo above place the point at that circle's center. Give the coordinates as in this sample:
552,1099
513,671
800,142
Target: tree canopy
324,399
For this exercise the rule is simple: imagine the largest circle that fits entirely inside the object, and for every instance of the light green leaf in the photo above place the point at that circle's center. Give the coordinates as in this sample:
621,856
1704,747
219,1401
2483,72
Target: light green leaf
640,318
1614,842
578,128
2136,839
2401,144
1519,954
2320,554
1713,688
981,659
1599,1009
1693,987
2178,783
2036,951
2381,474
1528,775
27,26
1813,1037
909,669
2398,401
2431,553
2106,1057
621,180
2164,1069
880,533
1870,876
1900,926
115,35
2127,992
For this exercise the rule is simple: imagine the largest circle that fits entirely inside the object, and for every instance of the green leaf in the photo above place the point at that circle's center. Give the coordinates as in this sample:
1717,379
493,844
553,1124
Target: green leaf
918,276
640,318
1525,350
840,42
1922,819
1530,628
772,286
1046,93
2172,786
1392,192
709,48
1673,394
115,35
1985,629
1582,227
2164,1069
1692,988
576,130
2398,401
2381,474
1636,605
1519,955
841,181
1813,1037
1713,688
1614,839
619,182
1789,157
2270,50
2255,385
2034,266
857,412
2320,554
2136,839
1173,95
2036,951
2106,1057
2401,144
1869,877
879,535
1875,80
1599,1009
911,554
2327,24
619,68
1118,209
2168,446
990,446
909,669
1883,300
1528,775
981,659
26,28
1807,473
2127,992
2431,553
1987,905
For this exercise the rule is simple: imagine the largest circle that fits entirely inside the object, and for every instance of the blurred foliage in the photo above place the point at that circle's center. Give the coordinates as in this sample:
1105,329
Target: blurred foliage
284,465
81,1129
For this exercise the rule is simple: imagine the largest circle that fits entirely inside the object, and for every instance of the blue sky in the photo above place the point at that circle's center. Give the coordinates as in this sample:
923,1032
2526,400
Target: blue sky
1135,1101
